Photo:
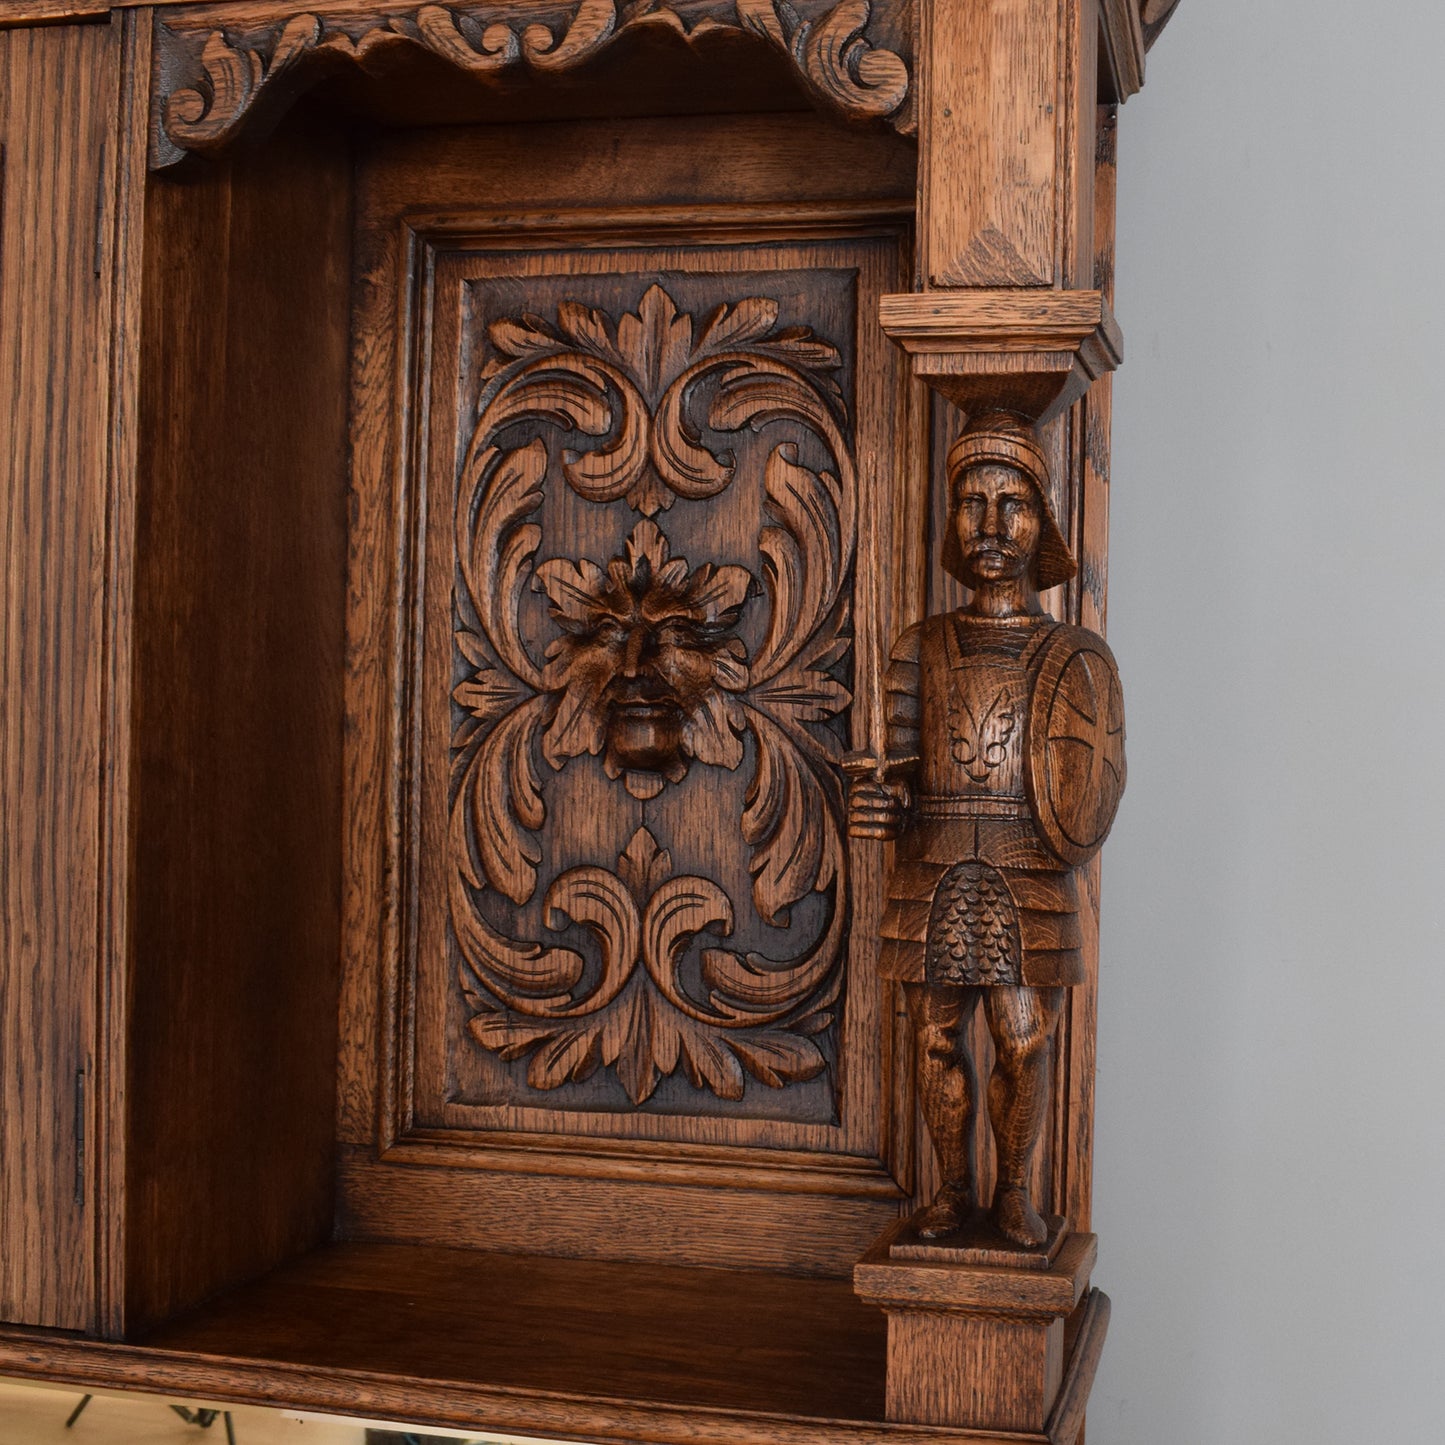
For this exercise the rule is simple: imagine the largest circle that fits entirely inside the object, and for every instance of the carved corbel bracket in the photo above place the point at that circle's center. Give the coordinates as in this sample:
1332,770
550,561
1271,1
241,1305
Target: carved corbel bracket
214,79
1029,352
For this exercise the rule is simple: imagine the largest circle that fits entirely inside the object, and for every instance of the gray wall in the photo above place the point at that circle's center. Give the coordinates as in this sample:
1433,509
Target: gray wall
1271,1154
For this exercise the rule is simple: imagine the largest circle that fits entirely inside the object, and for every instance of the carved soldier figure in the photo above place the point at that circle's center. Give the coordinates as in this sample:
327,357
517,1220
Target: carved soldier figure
1003,769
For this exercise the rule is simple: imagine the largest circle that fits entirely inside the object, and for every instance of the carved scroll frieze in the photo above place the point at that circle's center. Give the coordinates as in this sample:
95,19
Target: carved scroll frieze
213,78
638,659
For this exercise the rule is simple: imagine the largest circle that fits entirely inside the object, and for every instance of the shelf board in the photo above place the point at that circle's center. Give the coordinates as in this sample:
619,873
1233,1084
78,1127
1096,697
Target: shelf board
525,1345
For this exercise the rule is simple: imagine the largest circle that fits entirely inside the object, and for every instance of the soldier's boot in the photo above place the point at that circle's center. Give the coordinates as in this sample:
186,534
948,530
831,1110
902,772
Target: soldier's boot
950,1208
1014,1216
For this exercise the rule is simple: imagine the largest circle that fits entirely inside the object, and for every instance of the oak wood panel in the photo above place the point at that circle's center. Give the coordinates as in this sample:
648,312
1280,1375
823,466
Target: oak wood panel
54,329
445,224
240,544
716,1217
712,1339
731,165
1008,101
801,1089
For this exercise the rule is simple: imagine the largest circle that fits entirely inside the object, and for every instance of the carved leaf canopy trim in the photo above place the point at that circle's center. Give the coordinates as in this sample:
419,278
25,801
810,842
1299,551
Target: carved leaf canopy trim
233,71
631,388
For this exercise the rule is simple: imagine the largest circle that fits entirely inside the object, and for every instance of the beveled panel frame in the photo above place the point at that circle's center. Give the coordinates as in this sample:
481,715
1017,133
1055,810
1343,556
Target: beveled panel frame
387,1155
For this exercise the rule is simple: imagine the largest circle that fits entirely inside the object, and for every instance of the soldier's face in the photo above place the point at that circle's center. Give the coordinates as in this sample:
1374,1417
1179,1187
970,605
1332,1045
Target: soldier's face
999,521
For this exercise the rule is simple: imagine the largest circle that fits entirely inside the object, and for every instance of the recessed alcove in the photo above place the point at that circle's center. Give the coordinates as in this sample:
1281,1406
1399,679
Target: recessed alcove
263,1219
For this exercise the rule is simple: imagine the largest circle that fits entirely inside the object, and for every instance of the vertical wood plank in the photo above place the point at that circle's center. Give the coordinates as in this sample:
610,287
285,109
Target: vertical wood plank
125,234
59,89
1074,1137
1008,103
239,585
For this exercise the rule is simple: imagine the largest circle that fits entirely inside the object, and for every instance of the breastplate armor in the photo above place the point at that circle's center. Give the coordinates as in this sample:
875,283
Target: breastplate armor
974,681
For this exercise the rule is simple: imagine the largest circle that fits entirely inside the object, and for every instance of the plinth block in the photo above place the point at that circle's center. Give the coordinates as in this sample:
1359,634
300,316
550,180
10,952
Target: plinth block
979,1346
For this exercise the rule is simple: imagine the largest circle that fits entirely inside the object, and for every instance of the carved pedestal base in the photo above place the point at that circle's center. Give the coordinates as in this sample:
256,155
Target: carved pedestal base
978,1242
977,1346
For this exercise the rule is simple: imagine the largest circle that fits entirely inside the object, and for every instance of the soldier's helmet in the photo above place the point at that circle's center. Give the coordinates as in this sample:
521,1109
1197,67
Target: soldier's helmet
1007,440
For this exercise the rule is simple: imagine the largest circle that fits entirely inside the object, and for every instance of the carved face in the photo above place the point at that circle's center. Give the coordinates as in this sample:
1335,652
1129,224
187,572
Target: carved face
646,662
999,522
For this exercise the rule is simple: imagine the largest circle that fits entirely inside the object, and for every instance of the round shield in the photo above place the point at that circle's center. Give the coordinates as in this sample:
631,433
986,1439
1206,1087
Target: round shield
1075,756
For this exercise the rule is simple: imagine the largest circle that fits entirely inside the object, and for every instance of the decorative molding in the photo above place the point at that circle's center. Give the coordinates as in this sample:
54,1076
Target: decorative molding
646,671
214,79
1032,352
1124,46
1155,15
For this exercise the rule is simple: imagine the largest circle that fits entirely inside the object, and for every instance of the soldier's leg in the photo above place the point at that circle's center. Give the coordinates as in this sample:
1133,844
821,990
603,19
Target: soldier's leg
947,1090
1022,1021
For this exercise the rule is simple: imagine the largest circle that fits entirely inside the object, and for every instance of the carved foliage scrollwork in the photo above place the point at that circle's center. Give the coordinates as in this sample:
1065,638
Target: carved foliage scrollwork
647,671
213,80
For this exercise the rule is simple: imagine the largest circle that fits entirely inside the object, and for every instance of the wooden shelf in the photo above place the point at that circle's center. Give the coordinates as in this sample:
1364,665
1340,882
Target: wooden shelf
572,1349
720,1339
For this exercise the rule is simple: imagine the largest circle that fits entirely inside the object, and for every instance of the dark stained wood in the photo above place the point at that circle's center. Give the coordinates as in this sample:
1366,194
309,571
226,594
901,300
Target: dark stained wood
1073,1127
712,1339
423,1402
1084,1345
236,792
127,253
58,93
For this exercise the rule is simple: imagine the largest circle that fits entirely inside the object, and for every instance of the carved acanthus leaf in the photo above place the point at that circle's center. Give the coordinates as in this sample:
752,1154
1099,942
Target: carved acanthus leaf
646,671
218,79
638,1016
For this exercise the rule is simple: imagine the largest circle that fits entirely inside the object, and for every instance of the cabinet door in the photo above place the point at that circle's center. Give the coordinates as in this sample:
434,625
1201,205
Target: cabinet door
57,105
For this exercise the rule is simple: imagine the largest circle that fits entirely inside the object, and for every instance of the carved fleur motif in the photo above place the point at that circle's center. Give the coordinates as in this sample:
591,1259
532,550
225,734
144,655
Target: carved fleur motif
216,80
646,664
645,671
640,1017
627,386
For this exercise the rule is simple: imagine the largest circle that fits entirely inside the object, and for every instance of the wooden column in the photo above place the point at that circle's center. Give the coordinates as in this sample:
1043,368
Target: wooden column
1007,315
1006,142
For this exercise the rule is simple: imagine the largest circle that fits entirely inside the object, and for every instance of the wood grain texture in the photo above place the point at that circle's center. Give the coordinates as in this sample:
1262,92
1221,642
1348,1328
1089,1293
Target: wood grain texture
949,1369
427,1402
1007,108
127,249
983,1289
978,1346
1084,1346
715,1217
54,353
236,791
772,1344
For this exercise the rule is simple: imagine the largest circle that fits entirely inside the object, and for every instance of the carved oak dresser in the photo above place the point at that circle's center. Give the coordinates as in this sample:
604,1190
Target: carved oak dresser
467,465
